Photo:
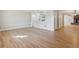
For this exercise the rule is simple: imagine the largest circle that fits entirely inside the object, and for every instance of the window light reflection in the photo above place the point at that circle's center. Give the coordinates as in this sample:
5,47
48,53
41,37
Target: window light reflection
21,36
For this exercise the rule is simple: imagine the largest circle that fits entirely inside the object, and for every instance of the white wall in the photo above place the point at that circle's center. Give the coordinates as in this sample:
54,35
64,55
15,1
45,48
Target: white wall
61,20
48,24
56,23
14,19
68,20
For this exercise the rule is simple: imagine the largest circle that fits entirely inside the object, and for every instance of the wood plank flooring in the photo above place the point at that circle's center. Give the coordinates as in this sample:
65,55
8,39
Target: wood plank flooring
67,37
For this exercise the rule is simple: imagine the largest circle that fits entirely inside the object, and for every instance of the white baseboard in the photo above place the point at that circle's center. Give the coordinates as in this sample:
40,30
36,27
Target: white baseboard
13,27
50,29
22,26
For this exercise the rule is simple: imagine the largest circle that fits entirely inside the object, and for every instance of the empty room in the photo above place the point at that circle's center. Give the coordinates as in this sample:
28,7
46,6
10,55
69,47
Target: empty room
39,28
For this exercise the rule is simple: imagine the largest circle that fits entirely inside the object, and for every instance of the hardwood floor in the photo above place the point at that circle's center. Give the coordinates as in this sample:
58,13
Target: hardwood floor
67,37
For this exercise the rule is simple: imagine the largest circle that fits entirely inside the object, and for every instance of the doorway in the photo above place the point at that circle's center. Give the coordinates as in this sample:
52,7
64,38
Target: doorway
68,20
